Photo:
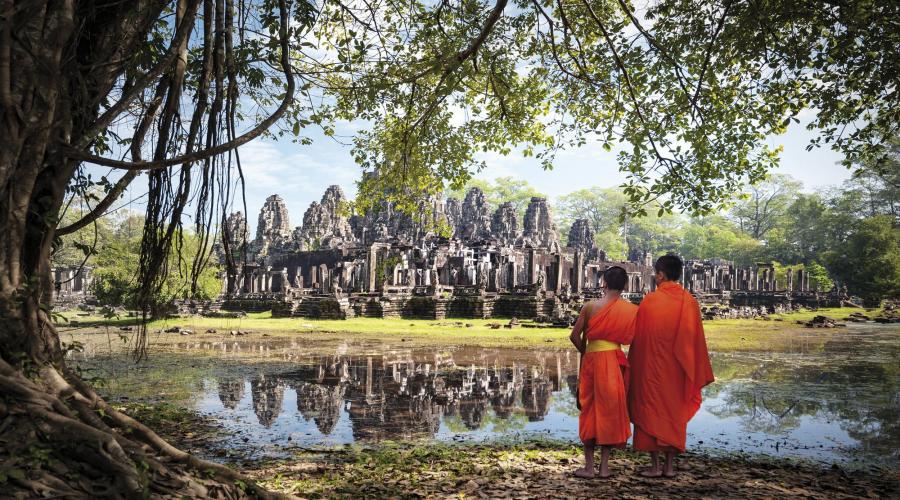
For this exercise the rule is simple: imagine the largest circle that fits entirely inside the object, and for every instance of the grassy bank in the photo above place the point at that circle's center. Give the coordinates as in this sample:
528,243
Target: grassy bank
722,335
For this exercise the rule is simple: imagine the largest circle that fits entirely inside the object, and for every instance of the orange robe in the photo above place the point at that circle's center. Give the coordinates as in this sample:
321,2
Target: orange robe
669,366
602,381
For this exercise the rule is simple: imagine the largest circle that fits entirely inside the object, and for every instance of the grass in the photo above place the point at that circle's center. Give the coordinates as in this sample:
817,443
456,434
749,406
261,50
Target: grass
439,332
722,335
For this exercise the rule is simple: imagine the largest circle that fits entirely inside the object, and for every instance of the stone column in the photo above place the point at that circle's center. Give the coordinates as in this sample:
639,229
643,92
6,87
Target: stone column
372,265
559,272
529,261
267,280
579,273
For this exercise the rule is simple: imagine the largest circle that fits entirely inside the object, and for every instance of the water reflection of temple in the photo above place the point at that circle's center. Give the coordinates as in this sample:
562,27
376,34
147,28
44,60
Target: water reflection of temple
399,396
231,391
268,395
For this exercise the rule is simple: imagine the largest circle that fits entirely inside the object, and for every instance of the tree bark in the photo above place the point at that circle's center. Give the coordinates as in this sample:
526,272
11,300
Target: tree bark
59,60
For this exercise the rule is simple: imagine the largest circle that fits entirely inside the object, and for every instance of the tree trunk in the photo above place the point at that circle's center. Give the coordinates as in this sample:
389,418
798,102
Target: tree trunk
58,61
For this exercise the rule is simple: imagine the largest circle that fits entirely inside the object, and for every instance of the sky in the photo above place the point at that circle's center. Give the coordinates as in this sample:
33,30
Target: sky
301,173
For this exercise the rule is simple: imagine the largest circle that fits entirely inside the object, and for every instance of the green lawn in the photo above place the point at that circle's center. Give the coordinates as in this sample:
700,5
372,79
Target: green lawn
722,335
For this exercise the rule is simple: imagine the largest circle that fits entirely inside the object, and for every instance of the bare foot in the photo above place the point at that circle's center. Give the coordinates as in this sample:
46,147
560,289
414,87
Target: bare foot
604,474
584,473
651,472
669,474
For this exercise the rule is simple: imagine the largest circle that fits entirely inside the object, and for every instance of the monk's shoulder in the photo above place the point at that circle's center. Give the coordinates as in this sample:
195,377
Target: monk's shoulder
649,299
627,307
593,304
590,307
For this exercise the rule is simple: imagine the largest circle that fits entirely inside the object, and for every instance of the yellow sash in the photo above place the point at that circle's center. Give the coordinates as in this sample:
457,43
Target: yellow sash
601,345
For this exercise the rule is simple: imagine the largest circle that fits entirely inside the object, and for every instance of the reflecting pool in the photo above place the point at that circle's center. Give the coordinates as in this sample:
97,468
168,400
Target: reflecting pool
829,397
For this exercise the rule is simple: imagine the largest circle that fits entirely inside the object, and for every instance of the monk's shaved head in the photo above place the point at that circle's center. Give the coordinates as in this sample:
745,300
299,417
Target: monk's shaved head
670,265
615,278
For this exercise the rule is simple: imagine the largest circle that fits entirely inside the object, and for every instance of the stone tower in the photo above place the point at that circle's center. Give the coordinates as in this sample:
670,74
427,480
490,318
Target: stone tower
453,210
539,229
273,227
581,235
325,222
475,222
235,230
505,224
273,222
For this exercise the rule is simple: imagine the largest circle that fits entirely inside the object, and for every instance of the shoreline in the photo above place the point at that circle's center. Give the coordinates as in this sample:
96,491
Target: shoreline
721,334
529,468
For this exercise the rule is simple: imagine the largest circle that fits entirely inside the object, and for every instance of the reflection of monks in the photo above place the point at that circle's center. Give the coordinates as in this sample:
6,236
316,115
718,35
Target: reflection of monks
601,329
669,367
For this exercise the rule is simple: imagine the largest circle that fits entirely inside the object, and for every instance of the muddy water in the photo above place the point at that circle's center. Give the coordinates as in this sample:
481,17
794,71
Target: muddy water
831,397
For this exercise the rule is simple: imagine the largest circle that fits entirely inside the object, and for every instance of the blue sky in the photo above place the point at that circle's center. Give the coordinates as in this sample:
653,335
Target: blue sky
300,174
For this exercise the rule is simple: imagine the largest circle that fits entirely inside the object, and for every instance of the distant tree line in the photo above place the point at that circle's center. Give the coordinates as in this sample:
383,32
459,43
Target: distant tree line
112,247
848,234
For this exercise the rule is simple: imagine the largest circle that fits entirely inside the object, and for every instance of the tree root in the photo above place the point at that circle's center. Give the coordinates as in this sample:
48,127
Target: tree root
85,447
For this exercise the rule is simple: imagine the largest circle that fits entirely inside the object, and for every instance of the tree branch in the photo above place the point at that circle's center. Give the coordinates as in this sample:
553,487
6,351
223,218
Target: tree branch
100,209
708,55
200,155
181,36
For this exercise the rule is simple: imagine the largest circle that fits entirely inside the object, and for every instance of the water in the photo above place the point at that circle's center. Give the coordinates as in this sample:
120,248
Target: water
822,397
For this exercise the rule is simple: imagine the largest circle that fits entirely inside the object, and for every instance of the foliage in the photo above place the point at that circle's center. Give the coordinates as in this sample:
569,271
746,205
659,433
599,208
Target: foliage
717,237
602,207
115,277
796,229
386,268
81,245
691,91
819,278
868,263
764,204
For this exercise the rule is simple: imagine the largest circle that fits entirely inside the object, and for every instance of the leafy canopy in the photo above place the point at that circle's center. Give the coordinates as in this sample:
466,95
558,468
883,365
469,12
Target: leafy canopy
688,90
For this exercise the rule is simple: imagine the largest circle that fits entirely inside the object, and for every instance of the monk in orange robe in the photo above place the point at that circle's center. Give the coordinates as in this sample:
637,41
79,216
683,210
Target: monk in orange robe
601,329
669,366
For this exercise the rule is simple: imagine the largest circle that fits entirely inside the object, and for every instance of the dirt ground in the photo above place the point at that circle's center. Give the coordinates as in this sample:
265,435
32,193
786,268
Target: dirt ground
534,469
543,470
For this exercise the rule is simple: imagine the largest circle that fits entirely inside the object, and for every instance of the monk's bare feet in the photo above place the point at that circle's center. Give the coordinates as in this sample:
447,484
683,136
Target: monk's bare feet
669,474
652,472
604,474
585,473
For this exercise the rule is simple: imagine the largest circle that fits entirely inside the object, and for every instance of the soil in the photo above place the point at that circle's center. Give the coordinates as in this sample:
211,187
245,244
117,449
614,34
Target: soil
534,469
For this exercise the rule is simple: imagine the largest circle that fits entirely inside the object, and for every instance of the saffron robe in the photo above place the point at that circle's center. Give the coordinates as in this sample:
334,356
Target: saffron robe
669,366
602,379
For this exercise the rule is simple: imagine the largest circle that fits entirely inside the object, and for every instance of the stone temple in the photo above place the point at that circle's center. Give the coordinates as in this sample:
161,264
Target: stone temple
385,263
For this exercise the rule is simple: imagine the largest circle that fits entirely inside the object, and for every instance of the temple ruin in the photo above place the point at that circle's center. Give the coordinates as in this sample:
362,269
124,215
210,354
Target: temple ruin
454,259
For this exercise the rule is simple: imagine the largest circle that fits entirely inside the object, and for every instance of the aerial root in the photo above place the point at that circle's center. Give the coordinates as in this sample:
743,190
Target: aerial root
103,442
161,445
